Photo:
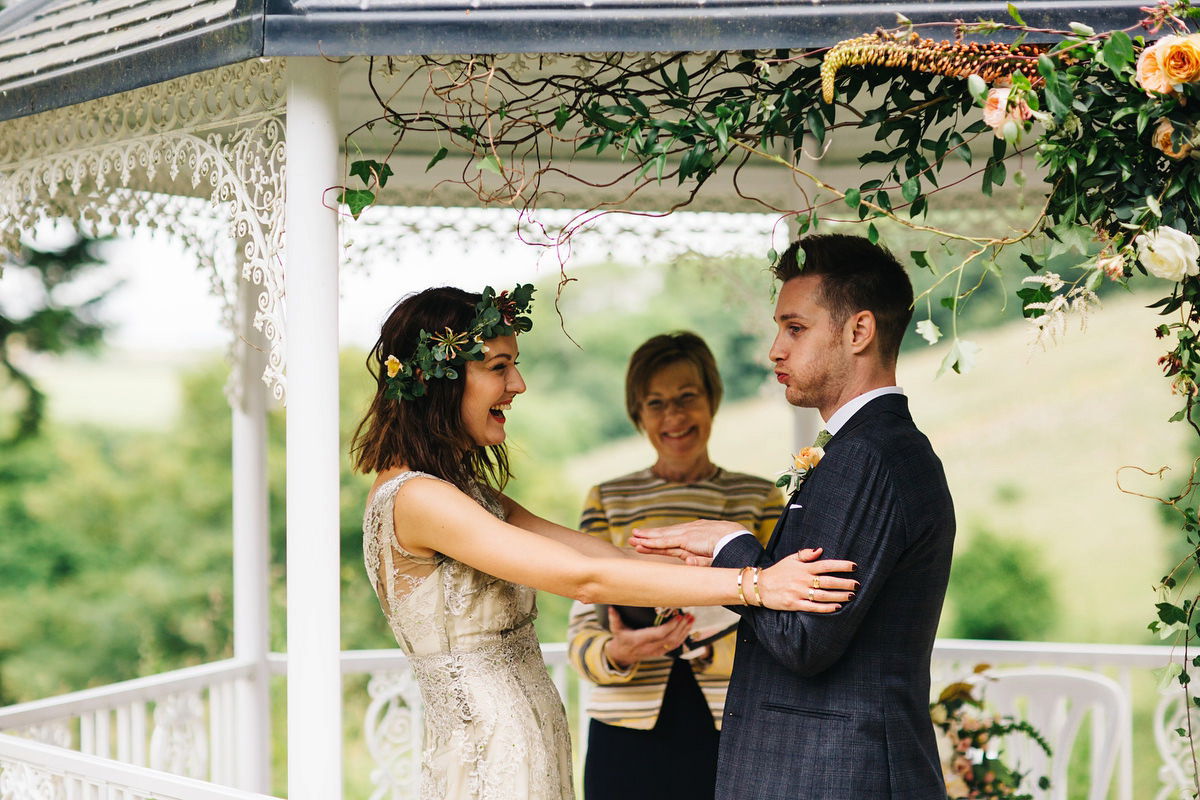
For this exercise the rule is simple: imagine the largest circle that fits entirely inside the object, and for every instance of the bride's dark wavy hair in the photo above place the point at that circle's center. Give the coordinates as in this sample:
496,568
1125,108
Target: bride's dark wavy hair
426,434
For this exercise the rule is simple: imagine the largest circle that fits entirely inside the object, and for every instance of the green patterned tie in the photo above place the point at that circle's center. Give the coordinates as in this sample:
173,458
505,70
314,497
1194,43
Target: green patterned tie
823,437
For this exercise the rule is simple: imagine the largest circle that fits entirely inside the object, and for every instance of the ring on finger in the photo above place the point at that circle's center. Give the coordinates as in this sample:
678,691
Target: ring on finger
816,582
812,595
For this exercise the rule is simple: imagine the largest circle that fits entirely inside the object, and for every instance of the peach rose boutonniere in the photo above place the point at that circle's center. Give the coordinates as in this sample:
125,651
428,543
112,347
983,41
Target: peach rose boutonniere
803,463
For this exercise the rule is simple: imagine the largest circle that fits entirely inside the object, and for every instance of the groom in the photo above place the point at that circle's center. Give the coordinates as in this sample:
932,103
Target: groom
836,706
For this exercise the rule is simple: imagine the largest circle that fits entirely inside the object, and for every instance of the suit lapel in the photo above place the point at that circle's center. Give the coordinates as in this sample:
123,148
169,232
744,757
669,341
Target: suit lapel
893,403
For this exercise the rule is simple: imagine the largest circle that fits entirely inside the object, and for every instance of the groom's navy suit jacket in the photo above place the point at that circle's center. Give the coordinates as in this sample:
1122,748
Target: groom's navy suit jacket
836,706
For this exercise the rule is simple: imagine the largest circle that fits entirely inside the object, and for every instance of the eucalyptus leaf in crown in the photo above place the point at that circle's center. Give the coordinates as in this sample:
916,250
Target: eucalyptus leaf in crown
440,355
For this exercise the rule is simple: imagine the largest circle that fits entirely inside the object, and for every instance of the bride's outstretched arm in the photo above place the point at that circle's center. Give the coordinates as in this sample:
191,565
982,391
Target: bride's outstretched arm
432,515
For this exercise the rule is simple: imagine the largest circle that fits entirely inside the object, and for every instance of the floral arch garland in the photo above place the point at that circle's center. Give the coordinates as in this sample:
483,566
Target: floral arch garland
1099,130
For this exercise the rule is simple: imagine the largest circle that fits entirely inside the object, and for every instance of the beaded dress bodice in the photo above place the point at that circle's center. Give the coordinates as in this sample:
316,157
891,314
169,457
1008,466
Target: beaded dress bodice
494,722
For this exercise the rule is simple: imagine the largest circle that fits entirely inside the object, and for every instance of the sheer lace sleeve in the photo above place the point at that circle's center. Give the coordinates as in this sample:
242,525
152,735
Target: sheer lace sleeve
394,572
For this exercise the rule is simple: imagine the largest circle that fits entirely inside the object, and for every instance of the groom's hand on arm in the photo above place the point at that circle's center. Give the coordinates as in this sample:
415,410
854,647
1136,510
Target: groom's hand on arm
691,542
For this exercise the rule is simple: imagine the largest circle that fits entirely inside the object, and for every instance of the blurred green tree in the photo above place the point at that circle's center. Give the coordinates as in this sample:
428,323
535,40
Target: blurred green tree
57,312
999,590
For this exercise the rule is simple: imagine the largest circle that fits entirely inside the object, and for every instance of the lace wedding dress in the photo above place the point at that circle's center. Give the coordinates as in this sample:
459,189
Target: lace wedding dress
494,723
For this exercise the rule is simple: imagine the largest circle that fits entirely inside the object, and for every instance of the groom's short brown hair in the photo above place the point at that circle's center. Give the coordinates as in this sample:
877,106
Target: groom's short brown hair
856,275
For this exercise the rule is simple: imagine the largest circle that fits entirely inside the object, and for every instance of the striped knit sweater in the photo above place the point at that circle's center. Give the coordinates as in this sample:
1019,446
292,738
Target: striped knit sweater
632,697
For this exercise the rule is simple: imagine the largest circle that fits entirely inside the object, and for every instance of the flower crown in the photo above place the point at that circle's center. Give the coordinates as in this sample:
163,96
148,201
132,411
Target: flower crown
438,354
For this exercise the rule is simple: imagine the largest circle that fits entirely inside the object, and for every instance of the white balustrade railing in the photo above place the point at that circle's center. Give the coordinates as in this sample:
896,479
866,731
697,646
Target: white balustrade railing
173,736
126,739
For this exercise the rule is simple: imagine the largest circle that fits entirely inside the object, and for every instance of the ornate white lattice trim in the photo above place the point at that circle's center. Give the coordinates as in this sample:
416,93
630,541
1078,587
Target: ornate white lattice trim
393,729
179,743
20,781
216,135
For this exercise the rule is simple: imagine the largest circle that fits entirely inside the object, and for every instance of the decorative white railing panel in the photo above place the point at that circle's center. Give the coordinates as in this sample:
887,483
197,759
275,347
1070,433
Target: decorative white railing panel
180,723
35,771
153,737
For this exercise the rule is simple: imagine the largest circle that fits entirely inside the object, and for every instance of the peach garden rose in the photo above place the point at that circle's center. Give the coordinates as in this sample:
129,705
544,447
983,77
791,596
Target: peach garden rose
1163,140
1150,73
1169,63
1180,59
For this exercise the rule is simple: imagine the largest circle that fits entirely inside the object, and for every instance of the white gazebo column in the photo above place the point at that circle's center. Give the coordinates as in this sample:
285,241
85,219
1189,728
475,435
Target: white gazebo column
311,296
251,551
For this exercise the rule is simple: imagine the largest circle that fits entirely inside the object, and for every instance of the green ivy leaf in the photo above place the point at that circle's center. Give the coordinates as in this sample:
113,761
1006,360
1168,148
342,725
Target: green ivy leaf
853,198
561,116
491,164
371,172
356,200
438,156
1171,614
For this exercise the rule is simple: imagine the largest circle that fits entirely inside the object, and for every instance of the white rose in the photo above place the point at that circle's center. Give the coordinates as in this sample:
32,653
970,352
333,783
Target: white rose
1168,253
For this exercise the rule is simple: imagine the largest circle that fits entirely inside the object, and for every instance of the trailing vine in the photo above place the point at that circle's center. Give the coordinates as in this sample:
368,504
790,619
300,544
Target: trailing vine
1099,130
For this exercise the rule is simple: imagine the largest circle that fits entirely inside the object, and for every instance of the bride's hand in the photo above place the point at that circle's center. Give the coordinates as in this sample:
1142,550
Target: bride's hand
802,583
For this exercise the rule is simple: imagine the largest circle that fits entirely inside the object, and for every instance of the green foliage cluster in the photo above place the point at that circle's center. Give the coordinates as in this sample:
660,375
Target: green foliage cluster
116,558
999,590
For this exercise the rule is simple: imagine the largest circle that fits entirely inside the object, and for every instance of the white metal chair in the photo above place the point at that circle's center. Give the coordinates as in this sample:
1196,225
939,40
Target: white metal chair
1056,700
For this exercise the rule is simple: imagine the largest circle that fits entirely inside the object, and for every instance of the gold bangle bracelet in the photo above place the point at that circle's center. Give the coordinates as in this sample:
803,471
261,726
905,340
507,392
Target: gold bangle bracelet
741,575
757,596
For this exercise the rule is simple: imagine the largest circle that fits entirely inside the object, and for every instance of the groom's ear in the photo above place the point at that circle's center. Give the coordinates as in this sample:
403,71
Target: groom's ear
859,331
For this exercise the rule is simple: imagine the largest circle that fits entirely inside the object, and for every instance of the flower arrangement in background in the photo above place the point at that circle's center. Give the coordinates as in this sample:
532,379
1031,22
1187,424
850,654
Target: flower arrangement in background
970,746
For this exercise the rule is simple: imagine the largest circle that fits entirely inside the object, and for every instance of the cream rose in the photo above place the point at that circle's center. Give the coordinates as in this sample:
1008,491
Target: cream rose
1168,253
1162,139
1180,59
1150,73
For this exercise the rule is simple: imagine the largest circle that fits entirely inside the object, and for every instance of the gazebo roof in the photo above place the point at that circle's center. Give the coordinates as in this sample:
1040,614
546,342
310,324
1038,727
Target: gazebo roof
55,53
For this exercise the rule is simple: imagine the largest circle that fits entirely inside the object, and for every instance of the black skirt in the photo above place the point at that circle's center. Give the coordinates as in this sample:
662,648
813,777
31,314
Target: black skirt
675,760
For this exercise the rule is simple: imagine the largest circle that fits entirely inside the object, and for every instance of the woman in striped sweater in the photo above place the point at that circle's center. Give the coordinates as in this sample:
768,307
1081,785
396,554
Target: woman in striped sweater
658,696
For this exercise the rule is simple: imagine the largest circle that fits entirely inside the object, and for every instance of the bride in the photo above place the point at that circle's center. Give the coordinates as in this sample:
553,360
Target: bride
456,563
